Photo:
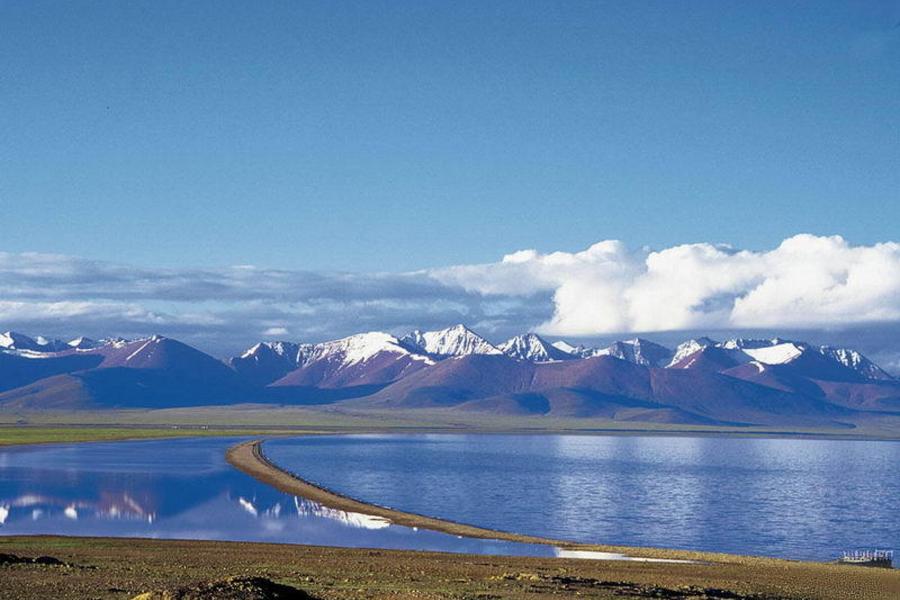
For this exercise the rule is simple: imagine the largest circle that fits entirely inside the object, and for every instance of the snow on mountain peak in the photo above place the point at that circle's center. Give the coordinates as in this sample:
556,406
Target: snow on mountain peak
780,351
458,340
360,348
638,351
777,354
11,340
532,347
856,361
115,342
568,348
283,350
688,348
253,350
773,351
84,343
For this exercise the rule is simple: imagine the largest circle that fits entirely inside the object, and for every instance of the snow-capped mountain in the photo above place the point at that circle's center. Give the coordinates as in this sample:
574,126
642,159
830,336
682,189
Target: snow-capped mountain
359,348
689,348
362,359
750,343
638,351
753,381
269,361
579,351
856,361
534,348
458,340
824,361
161,353
777,353
288,352
737,351
12,340
84,343
155,372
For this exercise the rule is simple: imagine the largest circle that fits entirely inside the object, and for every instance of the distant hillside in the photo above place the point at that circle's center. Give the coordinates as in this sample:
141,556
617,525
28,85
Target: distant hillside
737,382
156,372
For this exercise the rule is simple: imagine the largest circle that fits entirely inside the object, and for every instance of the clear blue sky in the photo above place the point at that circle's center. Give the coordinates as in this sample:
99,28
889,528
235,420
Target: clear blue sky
398,135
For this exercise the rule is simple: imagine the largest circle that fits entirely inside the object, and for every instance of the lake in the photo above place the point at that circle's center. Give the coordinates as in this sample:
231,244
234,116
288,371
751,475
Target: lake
804,499
185,489
793,498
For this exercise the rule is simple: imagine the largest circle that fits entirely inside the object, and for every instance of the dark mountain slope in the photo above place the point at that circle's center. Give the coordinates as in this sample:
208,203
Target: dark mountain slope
607,375
456,380
832,383
601,387
153,373
119,387
16,371
724,398
578,403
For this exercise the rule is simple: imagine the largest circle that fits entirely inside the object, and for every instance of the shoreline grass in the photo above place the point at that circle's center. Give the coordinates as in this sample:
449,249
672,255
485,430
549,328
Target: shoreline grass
26,436
256,418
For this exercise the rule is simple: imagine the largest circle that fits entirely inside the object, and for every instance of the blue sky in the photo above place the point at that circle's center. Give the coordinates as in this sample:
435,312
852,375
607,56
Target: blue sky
393,165
406,135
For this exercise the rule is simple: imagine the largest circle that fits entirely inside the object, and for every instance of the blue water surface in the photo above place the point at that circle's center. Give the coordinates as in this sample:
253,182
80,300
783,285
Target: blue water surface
185,489
794,498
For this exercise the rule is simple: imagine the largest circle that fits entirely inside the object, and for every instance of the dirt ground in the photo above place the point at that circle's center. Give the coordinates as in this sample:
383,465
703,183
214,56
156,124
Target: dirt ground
124,568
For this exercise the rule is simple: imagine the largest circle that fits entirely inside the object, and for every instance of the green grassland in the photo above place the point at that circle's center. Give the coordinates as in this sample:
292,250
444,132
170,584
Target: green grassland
22,427
13,435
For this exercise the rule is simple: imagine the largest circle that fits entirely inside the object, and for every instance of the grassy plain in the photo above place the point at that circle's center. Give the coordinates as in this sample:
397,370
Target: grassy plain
254,418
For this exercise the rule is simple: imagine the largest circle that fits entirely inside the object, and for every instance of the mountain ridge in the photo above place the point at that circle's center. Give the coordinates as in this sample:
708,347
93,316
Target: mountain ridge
735,382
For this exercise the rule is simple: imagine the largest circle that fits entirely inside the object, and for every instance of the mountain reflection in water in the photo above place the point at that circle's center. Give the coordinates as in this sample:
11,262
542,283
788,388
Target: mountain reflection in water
184,489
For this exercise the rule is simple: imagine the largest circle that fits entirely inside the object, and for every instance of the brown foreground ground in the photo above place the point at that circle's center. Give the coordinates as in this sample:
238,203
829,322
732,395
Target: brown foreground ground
124,568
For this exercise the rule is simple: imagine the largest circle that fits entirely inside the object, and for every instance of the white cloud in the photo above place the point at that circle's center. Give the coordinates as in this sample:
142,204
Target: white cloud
275,331
17,311
807,281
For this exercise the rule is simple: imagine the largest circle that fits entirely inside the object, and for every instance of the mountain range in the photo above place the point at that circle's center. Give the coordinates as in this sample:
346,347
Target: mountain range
774,382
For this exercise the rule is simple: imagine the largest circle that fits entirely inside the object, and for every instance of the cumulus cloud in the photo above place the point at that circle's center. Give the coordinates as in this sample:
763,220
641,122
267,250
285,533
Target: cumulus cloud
608,288
807,281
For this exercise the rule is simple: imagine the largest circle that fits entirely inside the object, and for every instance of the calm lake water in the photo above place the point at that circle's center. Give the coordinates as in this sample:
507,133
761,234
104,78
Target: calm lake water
185,489
803,499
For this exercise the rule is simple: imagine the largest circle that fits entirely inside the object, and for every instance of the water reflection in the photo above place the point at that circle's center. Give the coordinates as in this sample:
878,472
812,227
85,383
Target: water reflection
595,555
306,508
185,489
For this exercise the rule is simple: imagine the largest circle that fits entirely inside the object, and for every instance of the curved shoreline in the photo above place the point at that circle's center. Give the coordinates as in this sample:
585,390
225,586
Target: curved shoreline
249,458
